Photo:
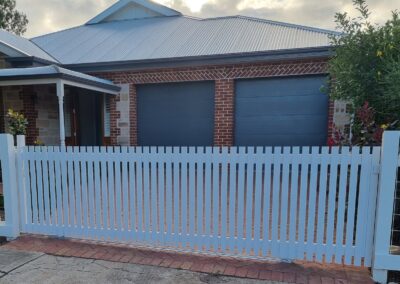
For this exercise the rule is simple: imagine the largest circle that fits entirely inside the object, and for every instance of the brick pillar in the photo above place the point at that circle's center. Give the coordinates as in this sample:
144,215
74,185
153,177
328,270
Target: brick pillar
224,112
28,96
133,114
2,114
114,116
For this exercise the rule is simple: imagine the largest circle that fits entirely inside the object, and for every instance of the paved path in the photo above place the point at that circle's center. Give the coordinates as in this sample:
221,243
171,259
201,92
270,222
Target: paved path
31,268
297,272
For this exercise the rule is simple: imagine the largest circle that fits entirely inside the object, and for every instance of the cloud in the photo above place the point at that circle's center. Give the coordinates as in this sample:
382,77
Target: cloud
53,15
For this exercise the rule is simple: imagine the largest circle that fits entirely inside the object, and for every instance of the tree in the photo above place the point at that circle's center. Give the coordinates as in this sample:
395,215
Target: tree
366,66
10,19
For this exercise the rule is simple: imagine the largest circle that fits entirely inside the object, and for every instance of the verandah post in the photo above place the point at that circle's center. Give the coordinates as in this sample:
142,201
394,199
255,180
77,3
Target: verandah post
11,228
385,205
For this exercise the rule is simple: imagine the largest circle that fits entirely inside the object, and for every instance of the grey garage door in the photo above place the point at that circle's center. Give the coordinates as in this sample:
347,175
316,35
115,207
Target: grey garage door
178,114
281,112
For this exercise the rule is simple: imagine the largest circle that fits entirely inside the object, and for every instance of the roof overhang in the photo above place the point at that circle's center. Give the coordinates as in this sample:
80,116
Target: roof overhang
238,58
53,74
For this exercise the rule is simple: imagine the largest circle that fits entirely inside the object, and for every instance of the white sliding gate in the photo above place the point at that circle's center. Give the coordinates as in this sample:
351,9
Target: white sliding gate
315,204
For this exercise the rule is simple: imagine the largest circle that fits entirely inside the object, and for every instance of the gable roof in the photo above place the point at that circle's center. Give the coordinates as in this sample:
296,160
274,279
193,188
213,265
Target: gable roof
16,46
133,9
177,37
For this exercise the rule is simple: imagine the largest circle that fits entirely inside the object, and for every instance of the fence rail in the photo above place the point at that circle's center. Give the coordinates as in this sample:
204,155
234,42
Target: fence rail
290,203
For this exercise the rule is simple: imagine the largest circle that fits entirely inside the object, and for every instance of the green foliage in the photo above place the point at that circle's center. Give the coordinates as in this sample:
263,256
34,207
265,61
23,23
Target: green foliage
17,123
10,19
366,65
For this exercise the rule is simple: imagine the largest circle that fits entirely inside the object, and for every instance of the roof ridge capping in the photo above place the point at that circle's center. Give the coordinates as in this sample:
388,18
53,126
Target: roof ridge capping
133,9
278,23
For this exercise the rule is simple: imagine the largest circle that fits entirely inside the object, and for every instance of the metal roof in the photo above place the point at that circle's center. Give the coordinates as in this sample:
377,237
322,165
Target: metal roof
177,37
55,72
22,47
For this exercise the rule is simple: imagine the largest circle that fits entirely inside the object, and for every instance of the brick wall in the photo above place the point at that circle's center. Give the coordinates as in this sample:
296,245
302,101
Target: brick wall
28,97
224,77
47,122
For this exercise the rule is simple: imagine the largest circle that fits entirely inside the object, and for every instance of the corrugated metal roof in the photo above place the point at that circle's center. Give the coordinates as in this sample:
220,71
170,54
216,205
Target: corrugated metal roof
53,71
23,46
176,37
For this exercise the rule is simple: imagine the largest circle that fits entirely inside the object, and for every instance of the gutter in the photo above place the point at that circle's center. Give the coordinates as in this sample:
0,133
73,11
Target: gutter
238,58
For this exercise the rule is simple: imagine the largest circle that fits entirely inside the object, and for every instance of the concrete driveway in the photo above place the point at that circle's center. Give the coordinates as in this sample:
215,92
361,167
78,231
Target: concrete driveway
27,267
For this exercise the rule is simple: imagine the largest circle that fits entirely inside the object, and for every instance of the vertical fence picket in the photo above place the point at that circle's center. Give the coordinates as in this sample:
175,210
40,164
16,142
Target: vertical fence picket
140,189
58,190
294,203
161,192
276,188
125,193
110,192
215,198
39,176
284,203
84,194
153,192
52,191
249,187
97,189
176,190
65,190
330,226
362,212
200,200
242,161
192,196
78,191
91,195
207,198
233,168
372,205
104,195
352,191
301,248
184,195
118,192
46,189
344,164
321,213
257,200
132,195
224,199
168,194
267,201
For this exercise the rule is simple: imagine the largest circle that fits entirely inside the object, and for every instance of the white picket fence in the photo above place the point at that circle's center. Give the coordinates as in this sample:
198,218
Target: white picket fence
315,204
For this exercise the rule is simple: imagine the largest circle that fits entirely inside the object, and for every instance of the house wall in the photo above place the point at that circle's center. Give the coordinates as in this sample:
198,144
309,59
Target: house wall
47,122
224,77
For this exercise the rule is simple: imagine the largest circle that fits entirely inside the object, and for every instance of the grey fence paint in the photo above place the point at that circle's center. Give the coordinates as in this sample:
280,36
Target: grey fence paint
177,114
281,111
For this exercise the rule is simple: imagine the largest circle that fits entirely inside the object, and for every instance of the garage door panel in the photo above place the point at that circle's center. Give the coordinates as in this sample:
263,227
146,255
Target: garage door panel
281,112
280,105
288,140
178,114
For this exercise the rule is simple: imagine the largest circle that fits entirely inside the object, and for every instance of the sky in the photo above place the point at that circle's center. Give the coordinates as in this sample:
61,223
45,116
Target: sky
47,16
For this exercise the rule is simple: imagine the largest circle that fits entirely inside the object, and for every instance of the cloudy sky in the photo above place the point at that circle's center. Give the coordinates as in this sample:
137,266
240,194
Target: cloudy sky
52,15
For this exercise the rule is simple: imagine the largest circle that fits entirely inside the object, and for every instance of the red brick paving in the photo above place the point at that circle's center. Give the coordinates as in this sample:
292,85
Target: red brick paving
298,272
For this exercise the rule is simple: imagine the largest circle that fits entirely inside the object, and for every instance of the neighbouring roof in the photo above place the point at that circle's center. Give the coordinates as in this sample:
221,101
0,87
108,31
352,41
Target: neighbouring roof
16,46
55,72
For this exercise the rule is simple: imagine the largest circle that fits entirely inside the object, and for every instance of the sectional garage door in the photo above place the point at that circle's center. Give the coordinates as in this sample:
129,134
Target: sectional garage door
281,112
177,114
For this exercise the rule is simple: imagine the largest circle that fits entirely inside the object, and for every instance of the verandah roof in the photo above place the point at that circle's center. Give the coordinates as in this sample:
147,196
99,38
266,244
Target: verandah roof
51,74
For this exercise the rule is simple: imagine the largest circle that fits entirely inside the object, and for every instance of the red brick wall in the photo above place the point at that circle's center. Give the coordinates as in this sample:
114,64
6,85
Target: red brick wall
224,77
28,101
224,112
